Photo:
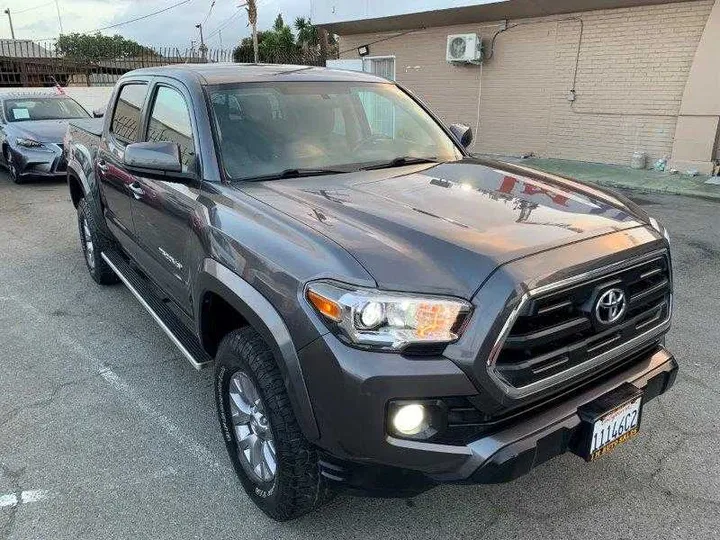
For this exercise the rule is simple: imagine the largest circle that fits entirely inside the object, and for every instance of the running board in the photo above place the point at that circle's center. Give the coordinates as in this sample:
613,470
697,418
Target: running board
178,333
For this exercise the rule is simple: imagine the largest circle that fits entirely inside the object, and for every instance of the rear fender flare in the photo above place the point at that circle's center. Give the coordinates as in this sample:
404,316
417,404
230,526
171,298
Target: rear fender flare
74,170
90,190
265,319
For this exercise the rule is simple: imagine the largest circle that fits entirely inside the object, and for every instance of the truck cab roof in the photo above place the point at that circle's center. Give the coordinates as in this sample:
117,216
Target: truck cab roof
229,73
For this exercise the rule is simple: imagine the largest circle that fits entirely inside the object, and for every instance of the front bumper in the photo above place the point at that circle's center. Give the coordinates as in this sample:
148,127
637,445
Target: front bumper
513,452
358,454
46,162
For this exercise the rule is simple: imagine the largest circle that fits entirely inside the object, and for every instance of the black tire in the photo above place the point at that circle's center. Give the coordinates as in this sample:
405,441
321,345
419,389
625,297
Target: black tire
88,229
12,169
297,487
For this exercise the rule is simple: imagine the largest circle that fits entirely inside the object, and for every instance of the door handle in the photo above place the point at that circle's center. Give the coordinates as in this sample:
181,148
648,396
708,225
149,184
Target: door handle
102,166
136,190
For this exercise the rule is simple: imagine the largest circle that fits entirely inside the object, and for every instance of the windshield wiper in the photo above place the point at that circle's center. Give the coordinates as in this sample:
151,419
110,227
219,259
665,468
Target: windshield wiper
294,173
400,162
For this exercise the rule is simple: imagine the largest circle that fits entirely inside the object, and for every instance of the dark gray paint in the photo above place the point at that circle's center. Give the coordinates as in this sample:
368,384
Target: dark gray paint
162,157
475,229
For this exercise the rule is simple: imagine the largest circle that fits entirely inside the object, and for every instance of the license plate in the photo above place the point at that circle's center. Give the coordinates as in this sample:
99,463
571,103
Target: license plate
609,421
615,428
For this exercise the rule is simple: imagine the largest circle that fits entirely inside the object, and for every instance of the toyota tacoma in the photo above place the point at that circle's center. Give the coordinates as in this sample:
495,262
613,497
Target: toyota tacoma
384,312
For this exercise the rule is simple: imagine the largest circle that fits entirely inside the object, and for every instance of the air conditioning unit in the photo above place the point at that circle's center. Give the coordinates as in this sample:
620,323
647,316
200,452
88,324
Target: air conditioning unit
464,49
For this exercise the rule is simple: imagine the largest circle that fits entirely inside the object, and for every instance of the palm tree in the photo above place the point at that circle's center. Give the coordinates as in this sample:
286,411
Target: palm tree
308,35
278,44
252,17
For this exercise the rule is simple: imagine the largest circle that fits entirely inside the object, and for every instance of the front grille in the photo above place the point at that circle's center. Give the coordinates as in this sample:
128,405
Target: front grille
466,421
557,331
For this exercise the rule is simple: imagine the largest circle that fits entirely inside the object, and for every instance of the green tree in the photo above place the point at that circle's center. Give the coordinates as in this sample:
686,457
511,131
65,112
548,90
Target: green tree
278,44
279,23
308,36
244,53
95,47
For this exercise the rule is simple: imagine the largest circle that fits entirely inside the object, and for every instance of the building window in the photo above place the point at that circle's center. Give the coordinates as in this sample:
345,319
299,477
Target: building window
382,66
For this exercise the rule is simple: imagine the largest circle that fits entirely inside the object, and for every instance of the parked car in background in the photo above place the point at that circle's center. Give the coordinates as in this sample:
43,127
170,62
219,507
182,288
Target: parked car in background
384,312
32,127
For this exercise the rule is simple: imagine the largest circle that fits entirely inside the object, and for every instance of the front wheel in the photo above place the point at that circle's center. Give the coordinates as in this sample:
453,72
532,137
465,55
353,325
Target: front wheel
277,466
12,167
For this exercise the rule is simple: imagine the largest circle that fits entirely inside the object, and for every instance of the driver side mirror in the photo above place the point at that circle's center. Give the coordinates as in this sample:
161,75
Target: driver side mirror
98,113
158,157
463,134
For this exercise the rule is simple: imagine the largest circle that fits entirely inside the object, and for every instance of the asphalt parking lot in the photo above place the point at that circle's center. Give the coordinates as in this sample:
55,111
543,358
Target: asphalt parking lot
107,432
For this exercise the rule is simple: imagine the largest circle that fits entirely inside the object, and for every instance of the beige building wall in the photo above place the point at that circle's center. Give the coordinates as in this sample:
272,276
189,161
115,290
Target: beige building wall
632,69
697,135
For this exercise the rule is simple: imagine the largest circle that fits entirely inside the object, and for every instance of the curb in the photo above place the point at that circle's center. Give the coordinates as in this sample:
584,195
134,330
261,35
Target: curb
649,189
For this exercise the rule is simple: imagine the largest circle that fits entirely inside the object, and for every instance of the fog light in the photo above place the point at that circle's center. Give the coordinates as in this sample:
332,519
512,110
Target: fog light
410,419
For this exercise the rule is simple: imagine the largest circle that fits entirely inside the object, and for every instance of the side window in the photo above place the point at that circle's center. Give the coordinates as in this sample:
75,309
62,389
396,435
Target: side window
170,121
126,118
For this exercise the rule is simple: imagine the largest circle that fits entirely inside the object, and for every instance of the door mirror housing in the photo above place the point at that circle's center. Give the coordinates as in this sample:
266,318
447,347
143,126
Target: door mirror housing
463,134
98,113
156,157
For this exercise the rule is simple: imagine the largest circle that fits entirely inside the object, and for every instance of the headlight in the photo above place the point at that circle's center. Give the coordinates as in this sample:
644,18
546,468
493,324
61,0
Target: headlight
387,320
660,228
28,143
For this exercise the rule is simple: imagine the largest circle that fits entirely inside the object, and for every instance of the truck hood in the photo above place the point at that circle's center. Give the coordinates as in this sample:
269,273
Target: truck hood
50,131
444,228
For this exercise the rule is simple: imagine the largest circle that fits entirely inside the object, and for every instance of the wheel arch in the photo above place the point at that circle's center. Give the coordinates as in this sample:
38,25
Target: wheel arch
81,186
254,310
77,190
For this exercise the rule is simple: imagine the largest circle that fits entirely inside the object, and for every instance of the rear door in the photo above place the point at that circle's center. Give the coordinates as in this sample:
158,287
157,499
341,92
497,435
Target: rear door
163,209
116,184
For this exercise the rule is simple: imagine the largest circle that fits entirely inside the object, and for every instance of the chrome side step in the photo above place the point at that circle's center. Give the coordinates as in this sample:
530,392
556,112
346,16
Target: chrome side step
178,333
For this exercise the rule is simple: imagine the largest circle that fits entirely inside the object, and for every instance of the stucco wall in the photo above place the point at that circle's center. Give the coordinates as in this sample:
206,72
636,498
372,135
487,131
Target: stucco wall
89,97
631,72
697,136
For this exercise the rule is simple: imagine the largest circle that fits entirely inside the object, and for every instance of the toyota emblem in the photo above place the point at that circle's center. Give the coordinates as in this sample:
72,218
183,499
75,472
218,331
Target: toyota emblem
611,306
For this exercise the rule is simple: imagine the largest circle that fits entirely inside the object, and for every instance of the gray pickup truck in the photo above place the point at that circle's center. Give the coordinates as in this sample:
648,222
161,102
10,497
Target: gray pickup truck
384,312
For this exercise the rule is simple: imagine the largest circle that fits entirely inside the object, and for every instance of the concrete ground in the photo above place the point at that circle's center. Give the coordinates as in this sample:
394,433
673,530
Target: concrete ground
617,177
106,432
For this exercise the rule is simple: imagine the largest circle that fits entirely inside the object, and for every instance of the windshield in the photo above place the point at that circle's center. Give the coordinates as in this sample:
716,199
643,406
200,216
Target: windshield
265,129
20,110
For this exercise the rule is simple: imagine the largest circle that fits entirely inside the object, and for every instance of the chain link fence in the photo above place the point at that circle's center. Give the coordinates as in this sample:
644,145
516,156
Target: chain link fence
25,63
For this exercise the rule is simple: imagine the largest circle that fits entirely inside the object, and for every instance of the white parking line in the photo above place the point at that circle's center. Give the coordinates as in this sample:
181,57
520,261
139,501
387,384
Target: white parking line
91,484
13,499
200,452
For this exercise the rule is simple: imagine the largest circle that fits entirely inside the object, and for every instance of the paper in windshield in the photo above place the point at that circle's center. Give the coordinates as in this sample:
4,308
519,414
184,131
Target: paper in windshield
21,114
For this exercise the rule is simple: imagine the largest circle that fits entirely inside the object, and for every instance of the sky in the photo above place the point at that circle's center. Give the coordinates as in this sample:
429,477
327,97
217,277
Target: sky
38,19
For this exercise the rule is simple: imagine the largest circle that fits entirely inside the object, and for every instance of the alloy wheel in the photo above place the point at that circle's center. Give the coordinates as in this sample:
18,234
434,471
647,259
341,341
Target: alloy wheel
253,434
11,166
89,247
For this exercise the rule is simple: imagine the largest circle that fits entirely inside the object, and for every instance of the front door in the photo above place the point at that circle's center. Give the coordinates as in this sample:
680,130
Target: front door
117,184
163,209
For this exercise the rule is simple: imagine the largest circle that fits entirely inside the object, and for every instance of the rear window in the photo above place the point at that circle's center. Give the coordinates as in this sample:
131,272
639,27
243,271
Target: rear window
126,118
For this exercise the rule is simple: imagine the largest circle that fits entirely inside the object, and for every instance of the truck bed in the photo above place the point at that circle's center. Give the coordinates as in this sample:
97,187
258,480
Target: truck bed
93,126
